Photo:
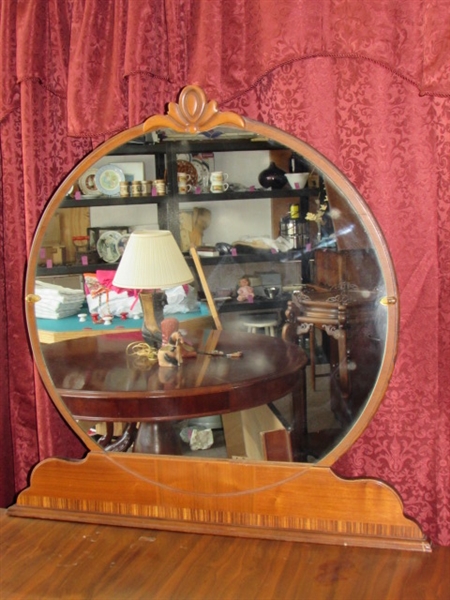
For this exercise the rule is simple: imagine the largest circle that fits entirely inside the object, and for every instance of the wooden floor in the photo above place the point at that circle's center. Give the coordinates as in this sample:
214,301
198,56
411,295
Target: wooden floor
43,560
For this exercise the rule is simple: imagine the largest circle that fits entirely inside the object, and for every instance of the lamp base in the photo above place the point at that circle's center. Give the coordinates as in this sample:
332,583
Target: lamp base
153,310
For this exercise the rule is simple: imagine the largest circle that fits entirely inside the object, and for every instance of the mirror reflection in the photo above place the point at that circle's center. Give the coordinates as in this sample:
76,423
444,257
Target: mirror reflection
280,255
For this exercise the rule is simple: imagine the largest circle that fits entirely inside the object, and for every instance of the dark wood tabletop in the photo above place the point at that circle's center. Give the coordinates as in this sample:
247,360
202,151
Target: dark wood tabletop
52,559
98,381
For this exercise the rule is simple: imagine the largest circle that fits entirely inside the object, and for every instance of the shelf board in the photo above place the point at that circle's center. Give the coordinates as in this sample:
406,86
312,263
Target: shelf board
248,195
202,197
107,201
74,269
226,259
197,146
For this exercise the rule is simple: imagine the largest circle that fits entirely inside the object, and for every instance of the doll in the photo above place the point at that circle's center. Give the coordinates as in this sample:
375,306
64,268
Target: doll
245,291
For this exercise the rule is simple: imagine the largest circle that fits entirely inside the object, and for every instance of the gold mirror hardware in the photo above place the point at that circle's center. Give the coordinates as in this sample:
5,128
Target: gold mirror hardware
388,300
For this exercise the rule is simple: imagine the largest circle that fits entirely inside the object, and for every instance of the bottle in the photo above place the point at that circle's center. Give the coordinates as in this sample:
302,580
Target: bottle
293,226
284,225
297,164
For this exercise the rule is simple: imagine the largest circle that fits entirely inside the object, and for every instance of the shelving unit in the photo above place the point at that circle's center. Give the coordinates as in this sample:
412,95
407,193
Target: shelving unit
166,155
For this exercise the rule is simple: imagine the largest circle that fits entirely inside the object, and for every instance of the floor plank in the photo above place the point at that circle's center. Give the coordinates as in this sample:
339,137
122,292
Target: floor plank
47,560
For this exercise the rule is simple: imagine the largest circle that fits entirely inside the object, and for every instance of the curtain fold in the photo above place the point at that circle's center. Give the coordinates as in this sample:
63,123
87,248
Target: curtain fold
113,41
43,28
9,97
412,39
442,452
97,90
85,49
367,84
17,384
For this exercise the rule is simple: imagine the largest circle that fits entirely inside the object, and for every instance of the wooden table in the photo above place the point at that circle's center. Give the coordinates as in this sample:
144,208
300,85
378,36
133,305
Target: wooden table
50,559
99,382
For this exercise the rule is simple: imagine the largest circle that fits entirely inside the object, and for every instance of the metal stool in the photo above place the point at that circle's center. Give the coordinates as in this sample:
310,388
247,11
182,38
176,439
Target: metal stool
266,322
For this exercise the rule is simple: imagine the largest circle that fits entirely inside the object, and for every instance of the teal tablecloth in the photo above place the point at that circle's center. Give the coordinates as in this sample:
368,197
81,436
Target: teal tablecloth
73,323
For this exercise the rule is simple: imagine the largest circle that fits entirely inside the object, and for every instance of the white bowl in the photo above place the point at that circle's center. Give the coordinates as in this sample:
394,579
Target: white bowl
297,180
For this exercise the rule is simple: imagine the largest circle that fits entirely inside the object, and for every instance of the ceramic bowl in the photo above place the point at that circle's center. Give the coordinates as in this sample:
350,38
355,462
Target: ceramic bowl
297,180
271,292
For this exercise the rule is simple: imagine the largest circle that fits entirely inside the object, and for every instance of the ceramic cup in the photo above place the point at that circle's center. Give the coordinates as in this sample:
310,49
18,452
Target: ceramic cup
183,186
218,182
160,186
124,188
146,188
136,188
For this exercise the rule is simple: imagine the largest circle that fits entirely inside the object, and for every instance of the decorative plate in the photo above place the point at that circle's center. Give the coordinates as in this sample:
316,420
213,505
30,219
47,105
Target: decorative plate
133,171
202,171
87,184
108,246
184,166
122,244
108,179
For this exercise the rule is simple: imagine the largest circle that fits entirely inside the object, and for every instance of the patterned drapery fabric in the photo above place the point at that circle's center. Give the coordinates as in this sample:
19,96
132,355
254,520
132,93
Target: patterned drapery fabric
367,84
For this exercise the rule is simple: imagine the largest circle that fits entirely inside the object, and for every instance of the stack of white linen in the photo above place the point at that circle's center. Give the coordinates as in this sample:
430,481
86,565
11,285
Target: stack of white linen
56,301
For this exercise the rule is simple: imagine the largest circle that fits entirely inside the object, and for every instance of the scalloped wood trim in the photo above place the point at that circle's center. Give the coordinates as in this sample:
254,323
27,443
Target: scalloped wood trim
290,504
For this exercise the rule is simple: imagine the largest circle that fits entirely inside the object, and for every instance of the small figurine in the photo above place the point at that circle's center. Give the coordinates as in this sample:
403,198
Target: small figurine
169,355
172,350
245,291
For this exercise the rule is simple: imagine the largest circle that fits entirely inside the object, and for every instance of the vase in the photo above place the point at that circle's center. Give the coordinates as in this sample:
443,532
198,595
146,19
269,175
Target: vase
272,177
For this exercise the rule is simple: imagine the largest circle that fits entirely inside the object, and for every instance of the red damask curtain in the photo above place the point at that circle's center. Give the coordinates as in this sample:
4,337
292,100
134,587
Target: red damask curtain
368,84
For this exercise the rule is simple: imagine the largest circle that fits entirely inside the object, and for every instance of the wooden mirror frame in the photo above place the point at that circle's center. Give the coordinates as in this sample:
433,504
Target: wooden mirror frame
288,501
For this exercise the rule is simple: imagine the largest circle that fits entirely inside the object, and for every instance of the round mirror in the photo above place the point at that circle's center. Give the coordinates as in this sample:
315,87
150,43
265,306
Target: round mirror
289,265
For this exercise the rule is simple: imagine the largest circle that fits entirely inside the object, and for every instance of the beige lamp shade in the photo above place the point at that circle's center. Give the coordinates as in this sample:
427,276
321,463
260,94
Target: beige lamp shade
152,260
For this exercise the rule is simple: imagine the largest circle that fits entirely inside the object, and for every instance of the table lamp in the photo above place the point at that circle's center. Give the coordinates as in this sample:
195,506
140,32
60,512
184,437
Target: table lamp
151,262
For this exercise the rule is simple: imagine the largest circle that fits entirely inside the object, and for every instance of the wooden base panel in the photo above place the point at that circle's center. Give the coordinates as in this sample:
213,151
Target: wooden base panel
295,502
309,536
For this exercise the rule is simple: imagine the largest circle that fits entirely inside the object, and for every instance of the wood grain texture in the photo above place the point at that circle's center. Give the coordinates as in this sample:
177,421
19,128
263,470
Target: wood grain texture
268,369
240,498
46,560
